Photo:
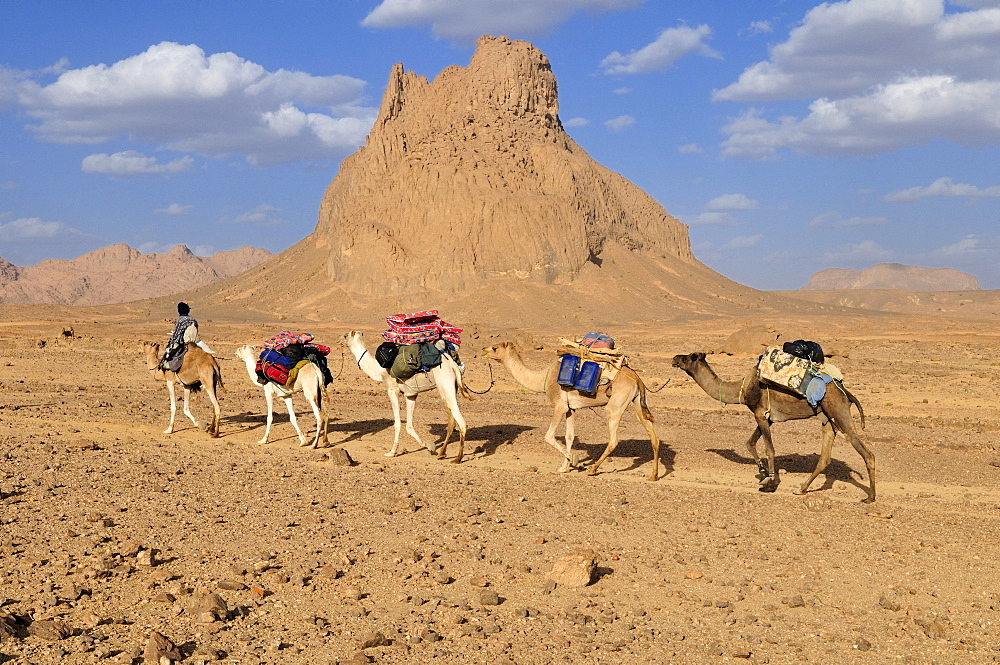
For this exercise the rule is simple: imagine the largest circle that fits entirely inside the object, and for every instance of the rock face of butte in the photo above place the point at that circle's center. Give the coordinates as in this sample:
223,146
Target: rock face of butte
470,197
470,177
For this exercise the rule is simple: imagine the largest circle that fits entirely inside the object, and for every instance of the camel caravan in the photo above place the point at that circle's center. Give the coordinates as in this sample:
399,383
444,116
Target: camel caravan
419,353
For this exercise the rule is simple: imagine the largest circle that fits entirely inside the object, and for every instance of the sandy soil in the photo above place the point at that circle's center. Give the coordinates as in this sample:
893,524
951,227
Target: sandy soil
112,530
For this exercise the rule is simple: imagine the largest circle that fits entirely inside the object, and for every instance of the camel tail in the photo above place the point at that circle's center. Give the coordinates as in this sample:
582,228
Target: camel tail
642,394
217,376
854,400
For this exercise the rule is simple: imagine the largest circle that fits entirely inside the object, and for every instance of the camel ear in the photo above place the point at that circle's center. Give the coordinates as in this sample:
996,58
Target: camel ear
699,356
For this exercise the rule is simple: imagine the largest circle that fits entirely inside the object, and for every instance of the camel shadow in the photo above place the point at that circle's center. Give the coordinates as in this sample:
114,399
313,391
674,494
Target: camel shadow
360,428
492,436
638,449
797,463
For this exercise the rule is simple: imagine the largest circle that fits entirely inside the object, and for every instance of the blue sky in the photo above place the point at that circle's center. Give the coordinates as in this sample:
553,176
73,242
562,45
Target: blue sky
791,136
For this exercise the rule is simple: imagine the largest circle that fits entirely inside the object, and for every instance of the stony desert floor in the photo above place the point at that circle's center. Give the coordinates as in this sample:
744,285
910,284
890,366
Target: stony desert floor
111,531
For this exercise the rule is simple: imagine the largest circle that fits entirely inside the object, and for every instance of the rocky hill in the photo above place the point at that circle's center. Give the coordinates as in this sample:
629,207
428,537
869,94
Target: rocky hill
119,273
470,197
893,276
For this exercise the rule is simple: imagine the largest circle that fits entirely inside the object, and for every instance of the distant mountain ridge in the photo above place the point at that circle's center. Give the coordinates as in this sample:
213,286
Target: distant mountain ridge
118,273
893,276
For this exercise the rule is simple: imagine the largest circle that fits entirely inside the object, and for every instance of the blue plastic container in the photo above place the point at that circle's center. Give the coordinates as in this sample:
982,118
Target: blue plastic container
588,378
568,368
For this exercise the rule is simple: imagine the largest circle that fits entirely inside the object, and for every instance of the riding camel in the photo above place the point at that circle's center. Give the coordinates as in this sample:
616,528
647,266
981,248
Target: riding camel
199,370
446,377
625,389
308,381
770,403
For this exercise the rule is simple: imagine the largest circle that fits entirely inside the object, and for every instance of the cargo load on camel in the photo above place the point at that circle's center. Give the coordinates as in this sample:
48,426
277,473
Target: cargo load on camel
286,353
589,362
414,343
799,366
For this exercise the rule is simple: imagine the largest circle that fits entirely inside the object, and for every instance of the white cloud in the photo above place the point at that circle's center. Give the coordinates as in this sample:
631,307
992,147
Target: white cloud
944,187
129,164
622,91
864,252
670,46
180,98
576,122
465,20
262,215
175,210
882,74
689,148
743,242
620,123
970,244
33,229
909,111
760,28
835,219
730,203
710,219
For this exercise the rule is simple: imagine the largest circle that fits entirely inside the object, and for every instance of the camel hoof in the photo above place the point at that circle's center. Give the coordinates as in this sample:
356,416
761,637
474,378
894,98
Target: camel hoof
457,460
869,499
592,472
799,491
391,453
767,488
652,479
262,442
169,430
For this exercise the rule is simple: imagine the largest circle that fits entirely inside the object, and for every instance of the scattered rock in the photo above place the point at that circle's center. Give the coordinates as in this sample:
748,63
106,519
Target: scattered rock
339,457
371,639
575,570
52,629
160,651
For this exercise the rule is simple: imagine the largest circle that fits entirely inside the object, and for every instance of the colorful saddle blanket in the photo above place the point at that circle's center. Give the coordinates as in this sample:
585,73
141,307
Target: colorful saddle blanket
423,326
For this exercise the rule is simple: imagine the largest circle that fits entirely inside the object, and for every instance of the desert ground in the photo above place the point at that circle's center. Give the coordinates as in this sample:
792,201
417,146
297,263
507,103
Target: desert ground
239,553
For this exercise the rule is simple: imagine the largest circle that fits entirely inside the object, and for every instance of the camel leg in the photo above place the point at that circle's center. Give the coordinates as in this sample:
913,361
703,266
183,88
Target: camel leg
869,459
396,425
770,482
213,428
570,439
326,417
751,445
187,409
291,417
316,402
456,419
447,436
845,424
411,405
654,441
613,421
269,398
559,411
826,452
173,407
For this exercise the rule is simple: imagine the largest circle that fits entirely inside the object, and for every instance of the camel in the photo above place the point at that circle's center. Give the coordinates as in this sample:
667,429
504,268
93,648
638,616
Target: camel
626,389
308,381
770,403
199,370
447,377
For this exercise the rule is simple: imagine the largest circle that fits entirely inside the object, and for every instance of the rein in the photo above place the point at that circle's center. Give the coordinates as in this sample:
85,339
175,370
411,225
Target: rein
341,365
476,392
664,383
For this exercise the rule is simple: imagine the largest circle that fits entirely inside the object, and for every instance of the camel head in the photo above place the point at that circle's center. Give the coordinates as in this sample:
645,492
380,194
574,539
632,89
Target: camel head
351,337
246,353
150,350
500,350
687,362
